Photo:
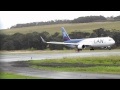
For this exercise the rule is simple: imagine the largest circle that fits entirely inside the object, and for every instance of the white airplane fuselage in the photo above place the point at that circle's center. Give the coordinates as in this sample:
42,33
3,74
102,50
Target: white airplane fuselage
92,42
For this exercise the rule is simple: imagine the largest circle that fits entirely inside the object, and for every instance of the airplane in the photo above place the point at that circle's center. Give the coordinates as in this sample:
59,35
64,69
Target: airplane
80,44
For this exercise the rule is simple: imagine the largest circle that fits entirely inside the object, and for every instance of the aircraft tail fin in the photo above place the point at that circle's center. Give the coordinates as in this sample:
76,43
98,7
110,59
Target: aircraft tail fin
65,35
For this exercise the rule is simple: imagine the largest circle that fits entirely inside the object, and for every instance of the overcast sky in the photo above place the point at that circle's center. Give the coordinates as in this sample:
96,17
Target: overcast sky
10,18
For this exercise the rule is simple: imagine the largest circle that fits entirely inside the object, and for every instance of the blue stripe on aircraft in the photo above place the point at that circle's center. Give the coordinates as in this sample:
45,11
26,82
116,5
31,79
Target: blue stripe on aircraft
66,38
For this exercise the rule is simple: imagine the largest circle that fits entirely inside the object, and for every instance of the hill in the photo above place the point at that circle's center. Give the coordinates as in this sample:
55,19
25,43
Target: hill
83,27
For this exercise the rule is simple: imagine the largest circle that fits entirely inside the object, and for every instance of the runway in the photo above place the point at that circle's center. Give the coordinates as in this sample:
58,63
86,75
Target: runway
7,65
26,56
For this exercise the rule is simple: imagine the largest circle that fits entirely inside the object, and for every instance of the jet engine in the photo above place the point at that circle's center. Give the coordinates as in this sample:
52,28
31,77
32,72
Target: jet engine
81,47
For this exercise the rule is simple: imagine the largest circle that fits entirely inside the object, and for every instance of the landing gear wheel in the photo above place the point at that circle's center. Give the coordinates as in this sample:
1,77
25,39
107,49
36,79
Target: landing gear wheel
92,49
79,50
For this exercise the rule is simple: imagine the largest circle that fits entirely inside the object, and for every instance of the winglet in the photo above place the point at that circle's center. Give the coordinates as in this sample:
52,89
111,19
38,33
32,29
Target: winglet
43,39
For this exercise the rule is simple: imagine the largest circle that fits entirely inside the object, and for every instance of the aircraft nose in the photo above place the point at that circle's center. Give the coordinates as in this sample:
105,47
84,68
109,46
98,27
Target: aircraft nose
113,42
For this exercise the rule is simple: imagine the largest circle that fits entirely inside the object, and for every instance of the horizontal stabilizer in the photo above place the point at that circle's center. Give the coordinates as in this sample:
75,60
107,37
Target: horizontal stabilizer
43,40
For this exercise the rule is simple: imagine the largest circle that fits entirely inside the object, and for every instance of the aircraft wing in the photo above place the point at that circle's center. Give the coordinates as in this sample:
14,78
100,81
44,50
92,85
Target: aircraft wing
62,43
59,42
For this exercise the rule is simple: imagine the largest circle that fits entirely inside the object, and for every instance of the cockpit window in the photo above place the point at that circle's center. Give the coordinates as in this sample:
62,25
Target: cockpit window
110,39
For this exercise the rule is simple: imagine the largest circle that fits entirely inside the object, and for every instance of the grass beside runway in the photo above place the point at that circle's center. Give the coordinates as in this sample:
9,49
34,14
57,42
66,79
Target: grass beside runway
104,64
35,51
6,75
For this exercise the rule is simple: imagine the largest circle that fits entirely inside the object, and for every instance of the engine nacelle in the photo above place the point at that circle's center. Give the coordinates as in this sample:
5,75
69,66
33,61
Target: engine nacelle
81,46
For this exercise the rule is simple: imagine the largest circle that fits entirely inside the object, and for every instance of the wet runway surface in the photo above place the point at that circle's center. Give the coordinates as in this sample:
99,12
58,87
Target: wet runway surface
24,57
6,65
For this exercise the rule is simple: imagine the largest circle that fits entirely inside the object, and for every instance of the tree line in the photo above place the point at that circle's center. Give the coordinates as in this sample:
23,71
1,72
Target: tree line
30,41
85,19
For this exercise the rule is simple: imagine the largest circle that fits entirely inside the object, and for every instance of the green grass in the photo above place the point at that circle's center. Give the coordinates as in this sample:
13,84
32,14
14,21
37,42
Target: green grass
84,60
83,27
35,51
6,75
106,64
96,69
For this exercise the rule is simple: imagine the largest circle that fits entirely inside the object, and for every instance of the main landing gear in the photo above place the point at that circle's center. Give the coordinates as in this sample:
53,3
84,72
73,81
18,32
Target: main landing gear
92,49
79,50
